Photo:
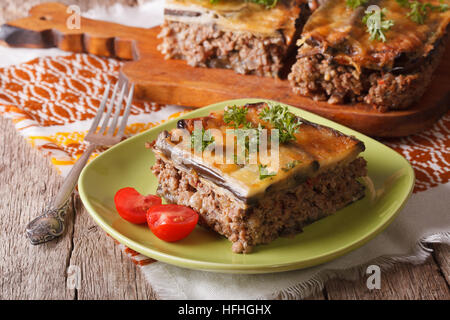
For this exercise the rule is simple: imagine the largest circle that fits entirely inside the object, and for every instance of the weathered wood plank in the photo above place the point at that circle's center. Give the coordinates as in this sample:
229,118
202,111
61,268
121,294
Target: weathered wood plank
442,257
28,183
107,273
318,296
40,272
403,281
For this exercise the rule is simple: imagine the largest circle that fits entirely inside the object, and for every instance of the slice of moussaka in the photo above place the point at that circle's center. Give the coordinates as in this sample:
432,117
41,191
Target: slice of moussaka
257,172
248,37
381,53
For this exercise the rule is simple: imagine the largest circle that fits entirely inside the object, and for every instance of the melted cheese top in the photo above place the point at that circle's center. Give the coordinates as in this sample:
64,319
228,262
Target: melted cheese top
339,27
315,149
238,15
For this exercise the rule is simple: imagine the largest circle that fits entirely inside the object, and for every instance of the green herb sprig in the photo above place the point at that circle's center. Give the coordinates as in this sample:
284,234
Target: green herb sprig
246,142
269,4
376,24
291,165
442,7
281,119
355,3
236,116
264,173
203,136
419,11
403,3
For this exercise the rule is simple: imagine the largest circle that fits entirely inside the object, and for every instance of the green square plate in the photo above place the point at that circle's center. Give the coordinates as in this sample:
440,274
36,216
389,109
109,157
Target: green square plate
128,165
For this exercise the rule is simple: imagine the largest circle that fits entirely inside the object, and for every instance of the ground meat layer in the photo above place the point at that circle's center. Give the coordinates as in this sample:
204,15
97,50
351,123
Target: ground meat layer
278,213
320,77
205,45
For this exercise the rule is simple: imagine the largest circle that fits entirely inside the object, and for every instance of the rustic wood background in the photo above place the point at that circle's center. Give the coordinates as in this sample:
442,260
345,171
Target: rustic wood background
28,182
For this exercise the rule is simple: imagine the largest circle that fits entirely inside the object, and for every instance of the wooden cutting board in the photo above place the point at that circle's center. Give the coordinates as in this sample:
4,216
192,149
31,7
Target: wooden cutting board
174,82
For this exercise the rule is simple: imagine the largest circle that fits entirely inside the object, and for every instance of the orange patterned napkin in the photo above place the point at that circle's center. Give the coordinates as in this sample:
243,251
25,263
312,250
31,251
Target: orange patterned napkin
52,100
429,154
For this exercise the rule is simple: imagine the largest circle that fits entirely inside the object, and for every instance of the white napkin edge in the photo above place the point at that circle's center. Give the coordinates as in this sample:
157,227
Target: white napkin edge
166,286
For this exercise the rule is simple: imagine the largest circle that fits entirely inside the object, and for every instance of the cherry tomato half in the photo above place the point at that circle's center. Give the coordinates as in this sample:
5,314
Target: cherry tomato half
133,206
171,222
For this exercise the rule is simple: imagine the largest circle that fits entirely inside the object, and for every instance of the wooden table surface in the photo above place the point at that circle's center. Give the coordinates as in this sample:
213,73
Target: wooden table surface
28,182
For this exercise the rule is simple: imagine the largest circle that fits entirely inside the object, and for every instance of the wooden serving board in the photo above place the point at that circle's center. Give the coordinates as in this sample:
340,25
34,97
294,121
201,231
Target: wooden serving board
174,82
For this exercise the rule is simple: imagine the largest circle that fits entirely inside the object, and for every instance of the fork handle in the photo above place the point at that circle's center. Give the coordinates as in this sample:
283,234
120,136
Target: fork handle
51,224
72,178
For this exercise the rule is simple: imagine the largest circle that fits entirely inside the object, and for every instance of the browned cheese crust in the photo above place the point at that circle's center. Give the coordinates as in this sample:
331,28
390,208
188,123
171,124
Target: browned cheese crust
338,63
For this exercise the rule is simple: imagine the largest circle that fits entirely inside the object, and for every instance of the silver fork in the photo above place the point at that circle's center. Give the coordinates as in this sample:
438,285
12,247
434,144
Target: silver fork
51,223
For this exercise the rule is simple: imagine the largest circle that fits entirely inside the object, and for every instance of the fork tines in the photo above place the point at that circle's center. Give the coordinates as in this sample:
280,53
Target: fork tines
106,134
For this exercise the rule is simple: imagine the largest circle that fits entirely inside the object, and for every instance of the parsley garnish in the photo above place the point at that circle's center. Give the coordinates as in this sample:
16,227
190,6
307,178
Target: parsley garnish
264,173
269,4
376,25
355,3
442,7
200,140
419,10
291,165
403,3
281,119
244,141
236,116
